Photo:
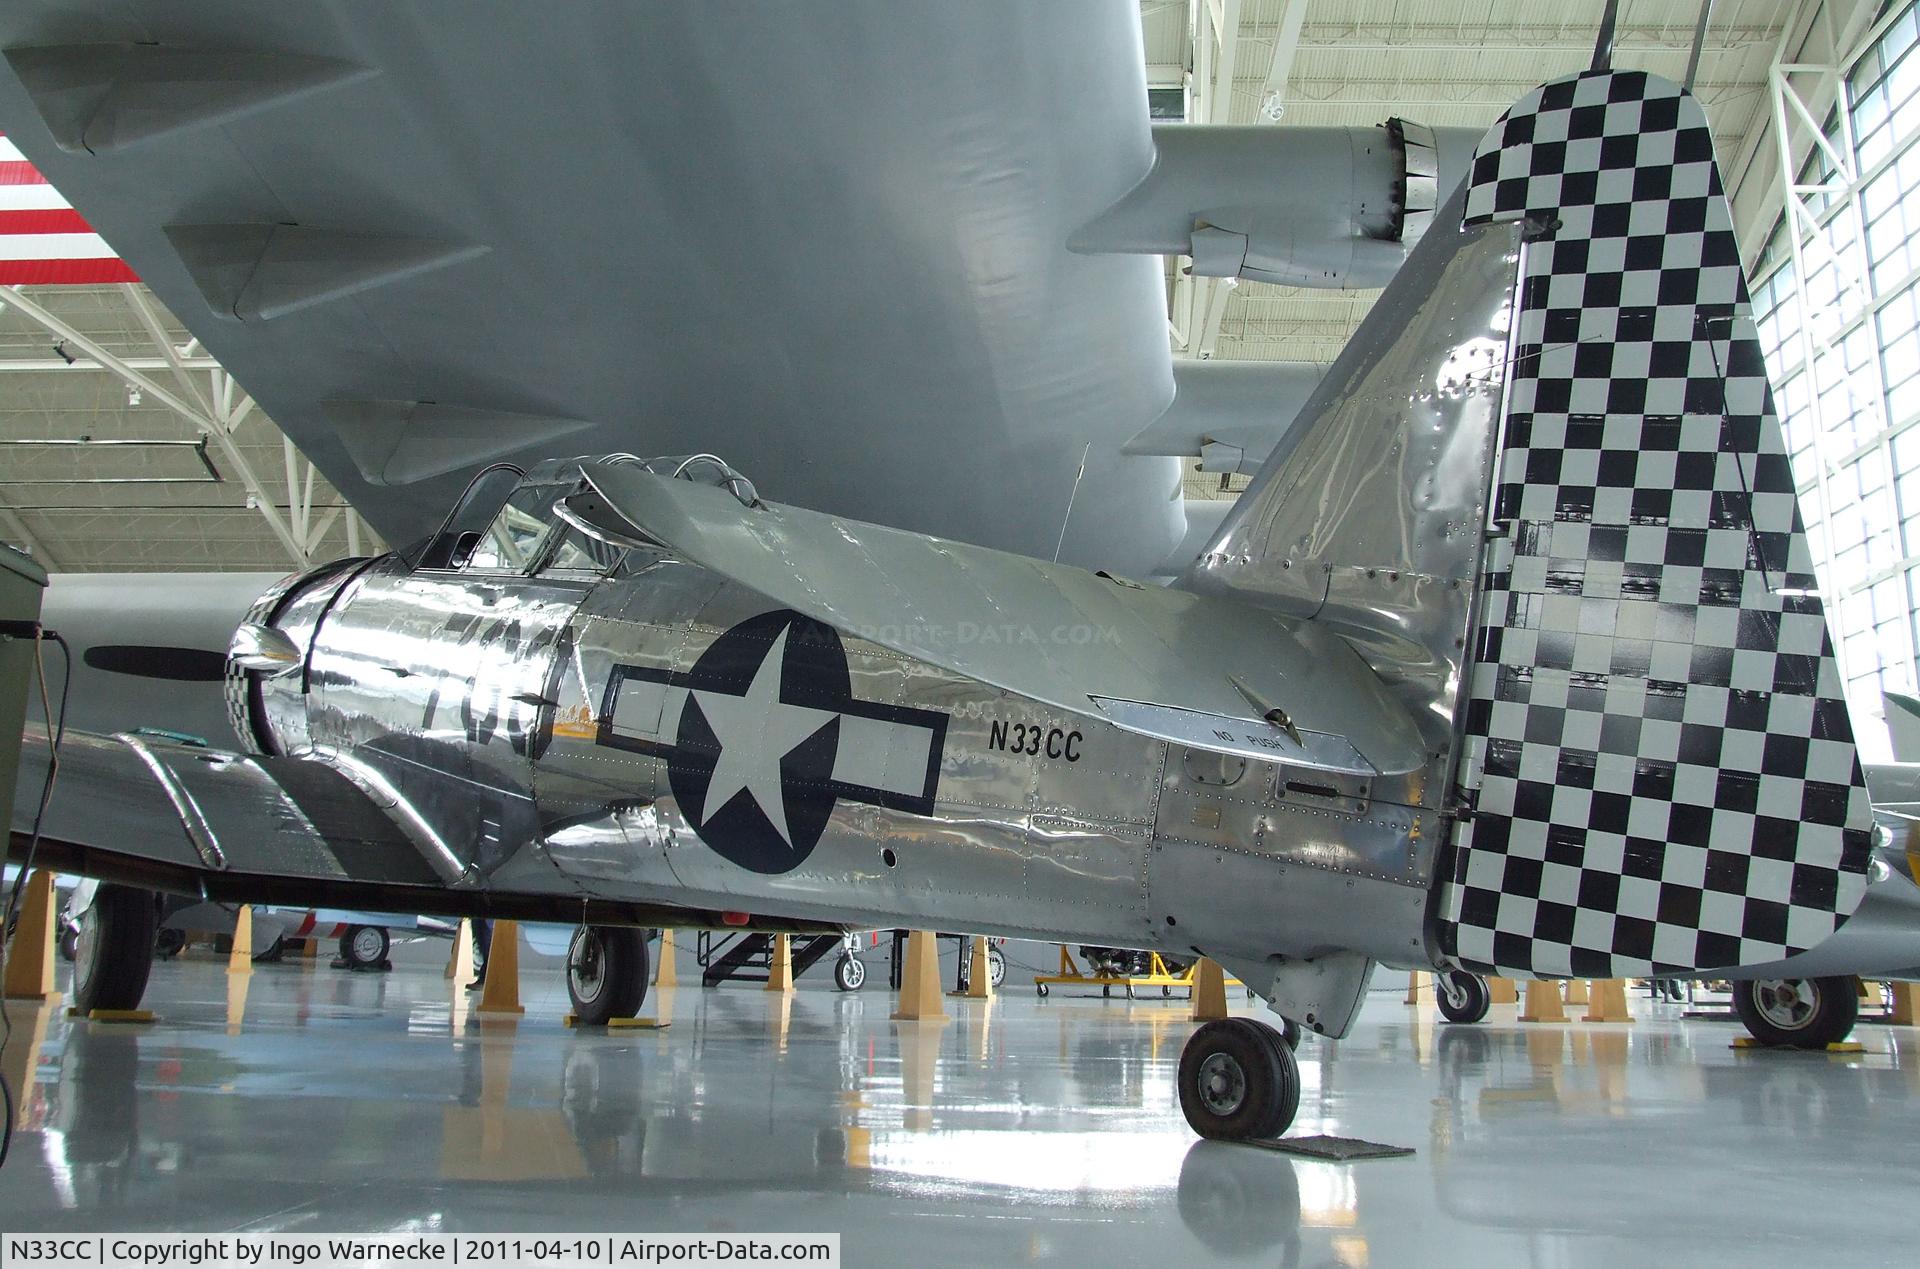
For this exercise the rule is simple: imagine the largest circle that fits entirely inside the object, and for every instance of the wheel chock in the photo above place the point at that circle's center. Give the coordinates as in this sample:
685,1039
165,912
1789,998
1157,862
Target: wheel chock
780,964
30,956
240,959
115,1015
1209,991
1543,1002
500,997
1750,1044
920,999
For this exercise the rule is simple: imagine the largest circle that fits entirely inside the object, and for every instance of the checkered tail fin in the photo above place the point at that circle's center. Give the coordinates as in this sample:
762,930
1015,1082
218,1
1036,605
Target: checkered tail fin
1658,766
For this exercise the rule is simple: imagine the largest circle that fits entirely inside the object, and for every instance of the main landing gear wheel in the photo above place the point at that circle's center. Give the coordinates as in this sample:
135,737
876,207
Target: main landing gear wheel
606,973
113,949
1463,997
1238,1080
1800,1013
365,946
849,972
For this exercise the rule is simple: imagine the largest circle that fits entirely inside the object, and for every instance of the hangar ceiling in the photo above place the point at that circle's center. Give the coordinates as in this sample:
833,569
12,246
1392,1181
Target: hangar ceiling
101,475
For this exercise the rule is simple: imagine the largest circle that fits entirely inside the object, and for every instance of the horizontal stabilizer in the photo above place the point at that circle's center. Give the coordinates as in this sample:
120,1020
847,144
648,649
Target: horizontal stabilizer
1190,668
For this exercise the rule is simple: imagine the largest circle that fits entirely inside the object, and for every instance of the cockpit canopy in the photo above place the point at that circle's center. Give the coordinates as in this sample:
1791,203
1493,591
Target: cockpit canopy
550,520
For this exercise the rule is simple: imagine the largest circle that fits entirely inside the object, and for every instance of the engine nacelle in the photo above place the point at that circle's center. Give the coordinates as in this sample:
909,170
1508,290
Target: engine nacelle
1317,207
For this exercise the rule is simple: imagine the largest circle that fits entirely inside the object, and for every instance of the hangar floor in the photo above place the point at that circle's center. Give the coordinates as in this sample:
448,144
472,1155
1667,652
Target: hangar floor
303,1098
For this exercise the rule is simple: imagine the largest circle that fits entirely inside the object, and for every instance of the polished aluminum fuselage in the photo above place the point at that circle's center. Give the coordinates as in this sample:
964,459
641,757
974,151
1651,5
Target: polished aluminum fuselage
476,707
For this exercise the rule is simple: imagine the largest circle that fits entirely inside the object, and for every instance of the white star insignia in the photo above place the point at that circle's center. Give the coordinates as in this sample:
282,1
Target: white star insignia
756,732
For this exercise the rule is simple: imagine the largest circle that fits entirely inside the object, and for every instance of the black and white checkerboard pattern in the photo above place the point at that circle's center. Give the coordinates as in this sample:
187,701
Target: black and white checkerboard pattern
1666,775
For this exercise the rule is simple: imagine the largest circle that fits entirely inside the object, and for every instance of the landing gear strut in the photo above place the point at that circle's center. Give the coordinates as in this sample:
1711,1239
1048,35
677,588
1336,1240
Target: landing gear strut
1238,1080
606,973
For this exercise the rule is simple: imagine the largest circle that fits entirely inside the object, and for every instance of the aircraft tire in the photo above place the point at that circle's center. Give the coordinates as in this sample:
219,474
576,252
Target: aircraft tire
364,946
114,951
1238,1080
1799,1013
1462,997
606,973
849,972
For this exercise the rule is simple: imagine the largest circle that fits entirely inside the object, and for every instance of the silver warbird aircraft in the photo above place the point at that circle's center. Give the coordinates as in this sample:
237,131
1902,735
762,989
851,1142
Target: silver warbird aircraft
1508,661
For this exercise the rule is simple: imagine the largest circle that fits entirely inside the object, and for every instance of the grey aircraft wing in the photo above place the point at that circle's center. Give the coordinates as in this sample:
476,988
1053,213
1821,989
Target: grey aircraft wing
425,237
230,827
904,258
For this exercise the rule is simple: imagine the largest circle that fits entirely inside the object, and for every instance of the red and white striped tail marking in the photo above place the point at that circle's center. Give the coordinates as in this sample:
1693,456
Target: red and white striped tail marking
42,239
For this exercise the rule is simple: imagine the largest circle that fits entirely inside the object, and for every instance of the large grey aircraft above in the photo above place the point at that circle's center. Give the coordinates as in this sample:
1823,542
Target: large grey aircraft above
1509,661
906,256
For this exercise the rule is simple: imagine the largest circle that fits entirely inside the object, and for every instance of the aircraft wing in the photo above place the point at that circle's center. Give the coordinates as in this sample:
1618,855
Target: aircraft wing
1195,669
237,828
425,236
248,816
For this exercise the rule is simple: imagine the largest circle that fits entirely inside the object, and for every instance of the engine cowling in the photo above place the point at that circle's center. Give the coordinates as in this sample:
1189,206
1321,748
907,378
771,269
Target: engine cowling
267,660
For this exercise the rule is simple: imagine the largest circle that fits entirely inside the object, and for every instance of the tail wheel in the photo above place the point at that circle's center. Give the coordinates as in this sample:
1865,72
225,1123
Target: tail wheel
996,966
849,972
1801,1013
1463,997
113,949
364,946
606,973
1238,1080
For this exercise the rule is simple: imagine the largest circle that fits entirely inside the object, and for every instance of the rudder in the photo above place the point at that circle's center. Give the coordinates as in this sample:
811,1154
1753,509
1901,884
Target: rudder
1659,762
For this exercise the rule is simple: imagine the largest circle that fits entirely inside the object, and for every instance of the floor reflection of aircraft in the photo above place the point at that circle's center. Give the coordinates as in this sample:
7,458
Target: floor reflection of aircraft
1548,1104
134,1125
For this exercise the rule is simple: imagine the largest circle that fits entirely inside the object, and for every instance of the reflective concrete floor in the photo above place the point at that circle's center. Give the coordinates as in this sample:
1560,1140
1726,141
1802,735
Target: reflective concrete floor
1028,1131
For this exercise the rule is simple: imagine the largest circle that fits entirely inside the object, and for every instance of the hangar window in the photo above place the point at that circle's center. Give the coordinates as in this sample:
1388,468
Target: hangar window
1836,295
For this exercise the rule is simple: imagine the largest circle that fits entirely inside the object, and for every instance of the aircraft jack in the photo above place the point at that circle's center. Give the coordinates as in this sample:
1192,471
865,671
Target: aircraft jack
1209,991
30,958
920,999
500,995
